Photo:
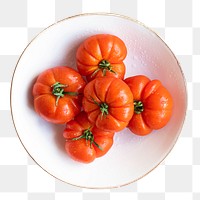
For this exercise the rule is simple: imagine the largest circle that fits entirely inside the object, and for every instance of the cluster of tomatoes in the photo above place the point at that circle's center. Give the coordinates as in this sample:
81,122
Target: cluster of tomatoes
95,109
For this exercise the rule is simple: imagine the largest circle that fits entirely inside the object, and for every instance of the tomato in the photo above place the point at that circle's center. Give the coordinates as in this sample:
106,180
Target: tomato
84,141
152,105
101,55
57,94
108,101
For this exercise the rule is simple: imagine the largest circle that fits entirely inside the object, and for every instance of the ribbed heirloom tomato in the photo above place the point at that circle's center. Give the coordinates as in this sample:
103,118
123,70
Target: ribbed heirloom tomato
152,105
108,101
101,55
84,141
57,94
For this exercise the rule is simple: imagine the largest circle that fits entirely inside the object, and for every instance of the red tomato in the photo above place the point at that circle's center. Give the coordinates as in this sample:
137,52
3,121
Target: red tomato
101,55
152,105
84,141
57,94
108,101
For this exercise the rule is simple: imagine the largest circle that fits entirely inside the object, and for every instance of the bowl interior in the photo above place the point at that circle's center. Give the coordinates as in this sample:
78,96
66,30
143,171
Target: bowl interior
131,157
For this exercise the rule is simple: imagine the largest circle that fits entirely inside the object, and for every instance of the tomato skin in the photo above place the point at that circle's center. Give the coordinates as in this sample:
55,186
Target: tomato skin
81,150
45,101
98,48
116,95
157,104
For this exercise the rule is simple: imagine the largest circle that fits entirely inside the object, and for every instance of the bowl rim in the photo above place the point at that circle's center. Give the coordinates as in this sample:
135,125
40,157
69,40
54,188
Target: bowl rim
122,17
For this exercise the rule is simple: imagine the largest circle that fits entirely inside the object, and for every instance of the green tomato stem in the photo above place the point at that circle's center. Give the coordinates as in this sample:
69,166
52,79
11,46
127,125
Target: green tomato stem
105,66
59,92
138,107
102,106
88,136
104,109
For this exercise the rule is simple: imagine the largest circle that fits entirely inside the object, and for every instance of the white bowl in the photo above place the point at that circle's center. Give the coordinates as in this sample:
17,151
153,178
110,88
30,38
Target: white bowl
131,157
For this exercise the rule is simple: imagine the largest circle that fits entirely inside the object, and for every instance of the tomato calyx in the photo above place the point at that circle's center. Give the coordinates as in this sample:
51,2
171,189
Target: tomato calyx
58,91
104,109
104,65
138,107
88,136
102,106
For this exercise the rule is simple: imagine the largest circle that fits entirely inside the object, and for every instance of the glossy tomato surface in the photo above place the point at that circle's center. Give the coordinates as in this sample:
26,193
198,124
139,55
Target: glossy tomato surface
152,104
84,141
101,55
108,101
58,93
